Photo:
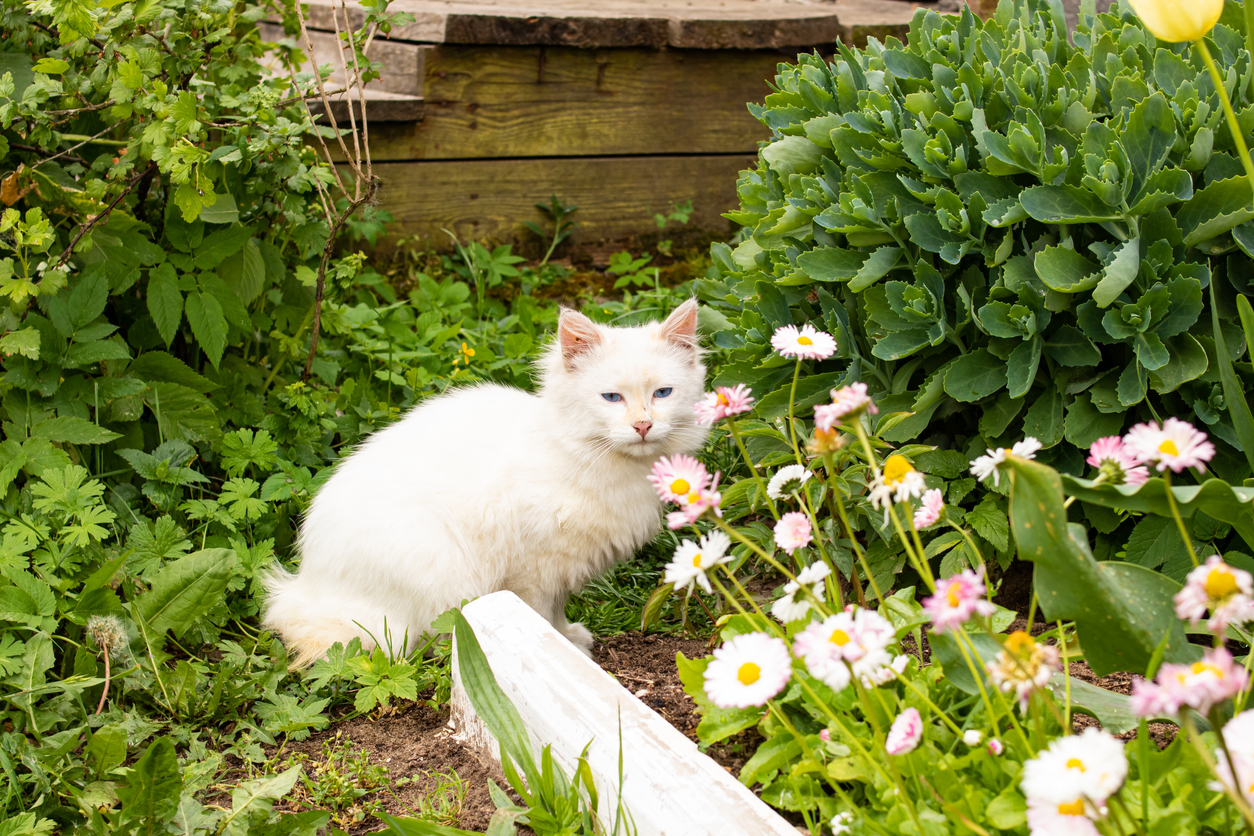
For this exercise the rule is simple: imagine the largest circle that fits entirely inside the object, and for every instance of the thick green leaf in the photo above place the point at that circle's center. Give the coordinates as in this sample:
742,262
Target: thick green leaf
420,827
1119,273
1085,423
1069,347
185,590
1213,497
1215,210
1044,418
1065,204
490,702
1112,710
811,389
1234,392
974,376
1121,610
876,267
252,801
831,264
1065,270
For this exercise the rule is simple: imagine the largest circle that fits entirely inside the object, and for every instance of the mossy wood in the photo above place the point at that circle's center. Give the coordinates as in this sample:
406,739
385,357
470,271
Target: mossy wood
490,199
491,101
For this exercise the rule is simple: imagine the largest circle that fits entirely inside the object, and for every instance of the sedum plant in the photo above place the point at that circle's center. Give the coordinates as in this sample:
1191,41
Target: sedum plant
1009,234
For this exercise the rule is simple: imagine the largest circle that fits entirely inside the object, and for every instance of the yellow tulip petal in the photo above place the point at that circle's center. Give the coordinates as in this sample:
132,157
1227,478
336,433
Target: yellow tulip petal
1178,20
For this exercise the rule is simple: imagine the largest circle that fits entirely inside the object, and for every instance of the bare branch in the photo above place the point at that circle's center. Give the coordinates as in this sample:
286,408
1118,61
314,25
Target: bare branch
103,215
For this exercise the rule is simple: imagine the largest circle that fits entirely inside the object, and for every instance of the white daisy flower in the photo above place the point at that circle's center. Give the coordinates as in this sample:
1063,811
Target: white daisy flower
747,671
972,737
787,481
794,608
693,560
1091,764
987,465
806,343
898,482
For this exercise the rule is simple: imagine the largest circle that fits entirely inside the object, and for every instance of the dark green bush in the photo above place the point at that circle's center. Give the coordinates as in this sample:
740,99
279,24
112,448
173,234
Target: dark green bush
1008,234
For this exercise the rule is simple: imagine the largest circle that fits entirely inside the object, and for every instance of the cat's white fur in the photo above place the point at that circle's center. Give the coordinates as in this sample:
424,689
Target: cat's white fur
488,488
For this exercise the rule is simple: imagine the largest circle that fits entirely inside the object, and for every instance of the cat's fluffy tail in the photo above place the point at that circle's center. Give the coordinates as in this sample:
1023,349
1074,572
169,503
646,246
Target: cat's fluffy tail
307,622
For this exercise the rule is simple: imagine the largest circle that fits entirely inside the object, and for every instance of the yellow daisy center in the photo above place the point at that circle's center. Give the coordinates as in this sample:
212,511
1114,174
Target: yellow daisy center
1169,447
680,486
803,340
1204,667
696,560
952,598
722,400
839,637
693,497
749,673
1020,643
1220,583
1076,763
896,469
1073,808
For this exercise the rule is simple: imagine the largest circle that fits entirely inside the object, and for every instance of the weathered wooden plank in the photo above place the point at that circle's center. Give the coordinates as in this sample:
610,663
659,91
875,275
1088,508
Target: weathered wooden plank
402,62
668,787
556,101
617,196
694,24
381,107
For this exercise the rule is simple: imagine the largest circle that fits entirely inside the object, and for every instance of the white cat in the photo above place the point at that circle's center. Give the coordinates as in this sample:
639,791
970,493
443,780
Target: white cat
488,488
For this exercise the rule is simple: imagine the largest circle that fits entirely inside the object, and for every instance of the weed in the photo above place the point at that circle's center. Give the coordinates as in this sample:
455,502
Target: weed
340,780
442,804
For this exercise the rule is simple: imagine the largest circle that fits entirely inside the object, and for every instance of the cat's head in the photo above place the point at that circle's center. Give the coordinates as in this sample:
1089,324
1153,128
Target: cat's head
628,390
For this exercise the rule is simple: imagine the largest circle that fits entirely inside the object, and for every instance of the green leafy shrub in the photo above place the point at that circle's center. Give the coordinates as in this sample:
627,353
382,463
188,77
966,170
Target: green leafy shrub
1008,234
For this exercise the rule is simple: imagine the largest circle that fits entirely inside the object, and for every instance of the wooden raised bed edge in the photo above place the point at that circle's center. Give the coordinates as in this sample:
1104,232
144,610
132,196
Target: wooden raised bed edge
567,702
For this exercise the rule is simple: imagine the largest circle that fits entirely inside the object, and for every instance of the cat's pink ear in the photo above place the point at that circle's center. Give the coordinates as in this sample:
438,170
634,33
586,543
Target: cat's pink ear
576,334
680,328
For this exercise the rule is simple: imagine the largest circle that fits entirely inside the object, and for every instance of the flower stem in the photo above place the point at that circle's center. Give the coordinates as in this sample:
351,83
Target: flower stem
1237,798
1175,513
977,673
740,445
1066,675
775,564
105,693
917,560
792,398
1235,127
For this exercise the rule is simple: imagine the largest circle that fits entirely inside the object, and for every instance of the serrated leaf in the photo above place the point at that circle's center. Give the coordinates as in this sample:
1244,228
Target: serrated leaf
165,302
68,429
989,521
204,315
185,590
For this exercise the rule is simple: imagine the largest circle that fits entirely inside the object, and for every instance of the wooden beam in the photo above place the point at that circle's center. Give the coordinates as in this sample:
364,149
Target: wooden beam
484,101
488,200
656,24
567,702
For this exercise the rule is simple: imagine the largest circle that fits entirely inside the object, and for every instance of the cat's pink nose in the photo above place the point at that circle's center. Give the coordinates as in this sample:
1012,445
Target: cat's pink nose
643,427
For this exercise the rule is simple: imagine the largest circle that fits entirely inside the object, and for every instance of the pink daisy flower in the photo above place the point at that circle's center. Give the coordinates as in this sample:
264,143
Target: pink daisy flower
848,400
905,733
957,599
1199,686
696,504
1220,588
792,531
1239,735
723,402
679,479
929,512
805,343
1176,444
845,644
995,747
1110,456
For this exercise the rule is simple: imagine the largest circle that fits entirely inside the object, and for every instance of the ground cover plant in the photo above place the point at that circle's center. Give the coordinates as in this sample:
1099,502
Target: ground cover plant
161,243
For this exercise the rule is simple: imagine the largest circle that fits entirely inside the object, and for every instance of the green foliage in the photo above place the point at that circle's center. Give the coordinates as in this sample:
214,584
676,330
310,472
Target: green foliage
1008,234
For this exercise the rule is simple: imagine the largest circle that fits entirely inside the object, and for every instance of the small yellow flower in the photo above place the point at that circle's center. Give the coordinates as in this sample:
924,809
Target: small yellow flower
1178,20
465,355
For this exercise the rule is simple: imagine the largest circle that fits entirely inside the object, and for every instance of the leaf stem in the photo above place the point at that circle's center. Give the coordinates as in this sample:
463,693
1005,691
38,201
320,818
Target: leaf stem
1175,513
744,453
792,398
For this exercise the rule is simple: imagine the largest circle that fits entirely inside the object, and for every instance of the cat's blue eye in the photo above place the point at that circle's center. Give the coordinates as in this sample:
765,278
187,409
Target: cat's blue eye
612,397
663,392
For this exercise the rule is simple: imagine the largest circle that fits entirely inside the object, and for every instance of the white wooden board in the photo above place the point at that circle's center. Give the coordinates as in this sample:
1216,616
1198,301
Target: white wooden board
567,701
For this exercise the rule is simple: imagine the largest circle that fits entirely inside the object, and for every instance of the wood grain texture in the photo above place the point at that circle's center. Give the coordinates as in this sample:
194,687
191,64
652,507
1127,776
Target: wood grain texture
488,200
566,701
484,102
692,24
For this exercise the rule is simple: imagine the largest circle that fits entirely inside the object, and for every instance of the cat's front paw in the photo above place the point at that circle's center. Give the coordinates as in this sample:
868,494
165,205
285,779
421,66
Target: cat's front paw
580,637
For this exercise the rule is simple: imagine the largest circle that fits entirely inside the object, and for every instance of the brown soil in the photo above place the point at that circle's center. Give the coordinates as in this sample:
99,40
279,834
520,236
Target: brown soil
645,665
413,743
